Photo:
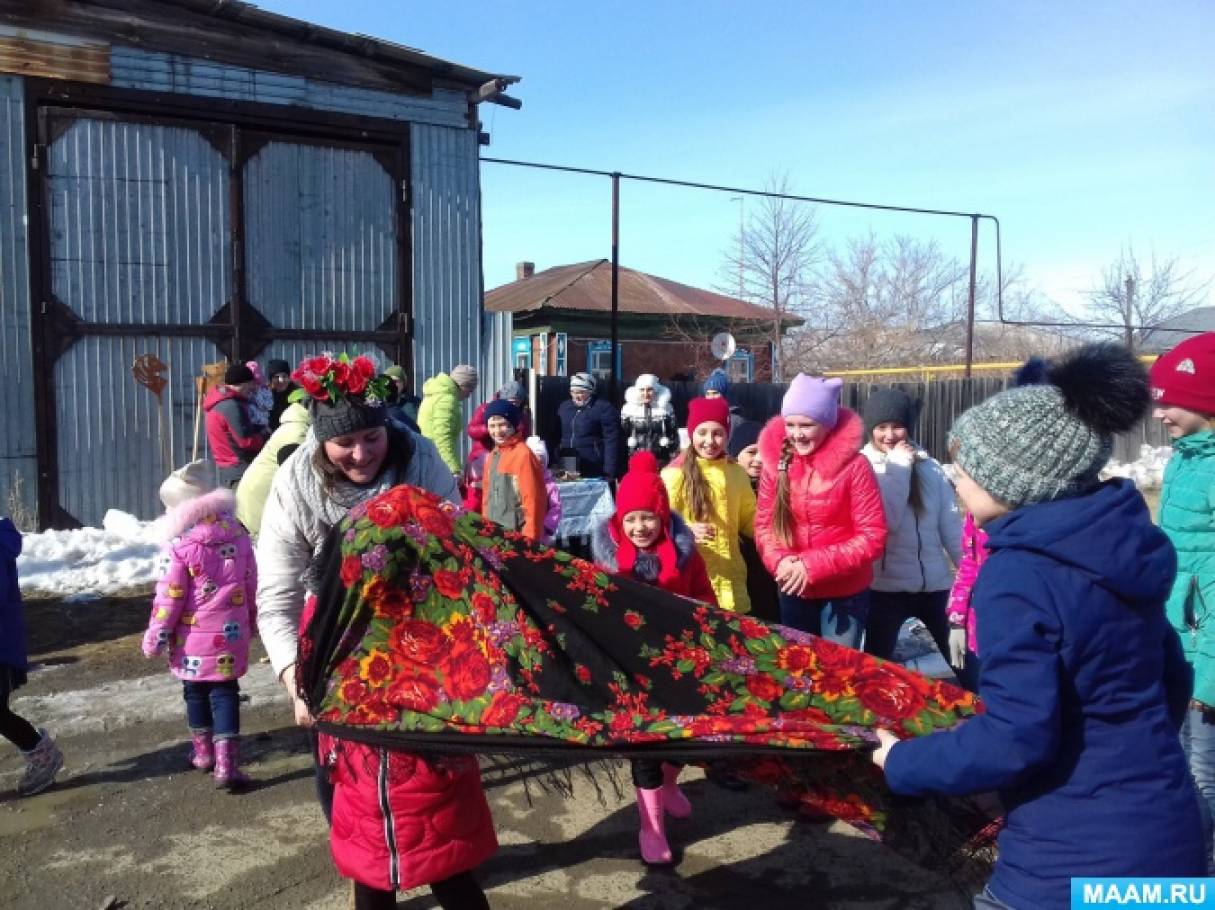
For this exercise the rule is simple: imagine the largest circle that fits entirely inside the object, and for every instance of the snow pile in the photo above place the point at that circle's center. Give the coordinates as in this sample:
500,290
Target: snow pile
121,555
1147,470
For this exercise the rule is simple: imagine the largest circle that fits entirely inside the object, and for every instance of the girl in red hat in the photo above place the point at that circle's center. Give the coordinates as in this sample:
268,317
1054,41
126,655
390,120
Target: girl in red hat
646,541
714,495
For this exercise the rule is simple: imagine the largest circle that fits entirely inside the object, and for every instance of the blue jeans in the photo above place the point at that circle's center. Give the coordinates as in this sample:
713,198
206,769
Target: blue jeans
837,619
1198,741
213,706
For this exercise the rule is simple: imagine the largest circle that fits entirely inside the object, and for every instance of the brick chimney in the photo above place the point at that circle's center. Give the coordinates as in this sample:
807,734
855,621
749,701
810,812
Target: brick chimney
524,270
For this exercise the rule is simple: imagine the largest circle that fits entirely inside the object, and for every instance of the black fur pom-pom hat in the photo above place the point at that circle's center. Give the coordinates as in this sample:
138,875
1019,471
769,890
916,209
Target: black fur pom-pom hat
1046,441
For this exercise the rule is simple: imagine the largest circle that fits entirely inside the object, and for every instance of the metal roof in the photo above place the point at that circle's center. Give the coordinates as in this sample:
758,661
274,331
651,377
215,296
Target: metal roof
238,32
587,287
1173,331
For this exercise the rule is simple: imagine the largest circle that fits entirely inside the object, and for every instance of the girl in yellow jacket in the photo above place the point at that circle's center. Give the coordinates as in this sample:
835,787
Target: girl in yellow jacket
714,496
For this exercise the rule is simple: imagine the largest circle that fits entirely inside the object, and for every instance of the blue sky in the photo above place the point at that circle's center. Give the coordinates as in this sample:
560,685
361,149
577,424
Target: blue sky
1083,126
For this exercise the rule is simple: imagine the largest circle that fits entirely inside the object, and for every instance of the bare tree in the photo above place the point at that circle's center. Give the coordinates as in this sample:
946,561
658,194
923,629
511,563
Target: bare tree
1127,298
771,263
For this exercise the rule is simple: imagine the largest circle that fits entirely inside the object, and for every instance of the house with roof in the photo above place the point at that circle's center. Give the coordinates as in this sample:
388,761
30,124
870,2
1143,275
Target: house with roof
561,324
1171,332
189,181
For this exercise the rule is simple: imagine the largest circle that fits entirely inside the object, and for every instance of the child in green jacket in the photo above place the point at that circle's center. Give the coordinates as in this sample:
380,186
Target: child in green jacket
1183,389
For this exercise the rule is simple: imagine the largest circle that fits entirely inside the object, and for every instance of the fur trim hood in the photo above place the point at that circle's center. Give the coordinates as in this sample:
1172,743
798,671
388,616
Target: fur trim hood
839,448
604,547
192,511
633,408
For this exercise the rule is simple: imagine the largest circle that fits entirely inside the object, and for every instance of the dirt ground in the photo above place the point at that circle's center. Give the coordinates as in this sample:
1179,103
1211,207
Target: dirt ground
130,824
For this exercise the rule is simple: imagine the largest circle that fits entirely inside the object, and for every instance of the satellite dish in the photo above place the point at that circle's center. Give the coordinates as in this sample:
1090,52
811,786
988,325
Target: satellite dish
723,346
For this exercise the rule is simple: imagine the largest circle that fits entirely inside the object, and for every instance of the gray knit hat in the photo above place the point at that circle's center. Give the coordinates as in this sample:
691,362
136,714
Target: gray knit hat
584,381
333,419
1039,443
464,376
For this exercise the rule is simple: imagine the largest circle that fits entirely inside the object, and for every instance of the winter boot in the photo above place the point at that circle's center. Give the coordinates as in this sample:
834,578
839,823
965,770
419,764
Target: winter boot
652,837
227,764
203,756
673,800
42,763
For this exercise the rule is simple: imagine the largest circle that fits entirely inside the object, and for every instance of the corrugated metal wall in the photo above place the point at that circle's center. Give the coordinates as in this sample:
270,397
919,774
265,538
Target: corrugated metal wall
139,234
18,450
157,72
320,237
496,357
116,440
139,223
446,250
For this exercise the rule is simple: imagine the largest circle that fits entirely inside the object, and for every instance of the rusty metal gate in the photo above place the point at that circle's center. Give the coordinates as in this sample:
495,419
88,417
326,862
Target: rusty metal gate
177,243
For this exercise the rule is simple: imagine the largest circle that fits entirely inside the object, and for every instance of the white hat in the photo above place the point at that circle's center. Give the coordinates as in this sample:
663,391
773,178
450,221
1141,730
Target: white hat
188,482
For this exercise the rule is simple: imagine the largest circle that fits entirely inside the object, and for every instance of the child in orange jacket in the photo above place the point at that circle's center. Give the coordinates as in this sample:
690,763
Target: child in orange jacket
514,492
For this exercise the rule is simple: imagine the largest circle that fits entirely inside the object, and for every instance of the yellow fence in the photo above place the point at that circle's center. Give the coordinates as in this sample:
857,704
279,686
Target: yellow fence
927,372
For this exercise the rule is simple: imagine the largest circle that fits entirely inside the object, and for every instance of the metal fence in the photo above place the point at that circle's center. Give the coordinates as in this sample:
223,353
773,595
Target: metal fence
941,402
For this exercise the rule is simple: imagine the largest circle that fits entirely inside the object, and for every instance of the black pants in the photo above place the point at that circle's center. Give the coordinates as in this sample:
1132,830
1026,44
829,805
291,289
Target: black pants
460,892
888,610
17,730
647,772
13,727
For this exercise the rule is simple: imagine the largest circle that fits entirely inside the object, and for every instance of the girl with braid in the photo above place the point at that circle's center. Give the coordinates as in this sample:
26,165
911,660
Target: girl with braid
820,523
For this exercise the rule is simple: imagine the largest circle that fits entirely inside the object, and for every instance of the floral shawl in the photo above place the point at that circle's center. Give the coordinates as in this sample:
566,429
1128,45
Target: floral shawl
435,630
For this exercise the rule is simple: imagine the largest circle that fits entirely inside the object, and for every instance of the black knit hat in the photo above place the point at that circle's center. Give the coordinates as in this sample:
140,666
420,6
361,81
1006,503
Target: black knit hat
274,367
237,373
742,435
889,406
333,419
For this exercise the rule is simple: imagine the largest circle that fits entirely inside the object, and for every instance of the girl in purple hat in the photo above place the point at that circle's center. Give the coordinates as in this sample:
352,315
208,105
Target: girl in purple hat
819,523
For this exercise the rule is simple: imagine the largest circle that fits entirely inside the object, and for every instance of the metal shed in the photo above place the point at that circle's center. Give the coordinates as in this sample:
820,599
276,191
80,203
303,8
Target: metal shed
199,180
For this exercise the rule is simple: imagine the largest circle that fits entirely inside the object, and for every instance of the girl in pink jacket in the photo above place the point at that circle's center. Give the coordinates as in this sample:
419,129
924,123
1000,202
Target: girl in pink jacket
820,523
204,614
963,643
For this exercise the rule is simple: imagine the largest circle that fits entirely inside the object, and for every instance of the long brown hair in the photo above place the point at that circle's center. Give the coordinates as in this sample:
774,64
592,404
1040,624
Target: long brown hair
696,488
782,514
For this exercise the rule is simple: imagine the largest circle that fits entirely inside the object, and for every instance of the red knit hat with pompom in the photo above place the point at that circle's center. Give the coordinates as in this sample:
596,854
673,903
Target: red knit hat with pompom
642,490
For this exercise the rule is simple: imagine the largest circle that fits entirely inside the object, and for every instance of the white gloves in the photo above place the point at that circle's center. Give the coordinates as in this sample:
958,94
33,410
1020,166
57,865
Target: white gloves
957,648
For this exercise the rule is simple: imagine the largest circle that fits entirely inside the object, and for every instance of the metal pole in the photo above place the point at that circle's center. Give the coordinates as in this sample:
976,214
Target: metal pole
1129,332
615,284
970,307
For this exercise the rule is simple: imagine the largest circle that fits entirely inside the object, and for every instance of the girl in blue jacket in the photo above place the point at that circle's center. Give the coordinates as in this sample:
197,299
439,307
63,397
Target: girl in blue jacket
1083,678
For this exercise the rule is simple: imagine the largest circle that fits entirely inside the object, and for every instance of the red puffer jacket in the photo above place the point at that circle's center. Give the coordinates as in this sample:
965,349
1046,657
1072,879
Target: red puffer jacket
839,524
400,821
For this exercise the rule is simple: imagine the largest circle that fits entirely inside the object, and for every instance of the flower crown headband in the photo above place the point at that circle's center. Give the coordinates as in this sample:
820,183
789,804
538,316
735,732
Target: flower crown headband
337,379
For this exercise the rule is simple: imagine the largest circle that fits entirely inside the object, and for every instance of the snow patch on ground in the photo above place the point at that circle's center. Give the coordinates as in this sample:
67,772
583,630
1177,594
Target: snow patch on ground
1147,470
88,563
147,699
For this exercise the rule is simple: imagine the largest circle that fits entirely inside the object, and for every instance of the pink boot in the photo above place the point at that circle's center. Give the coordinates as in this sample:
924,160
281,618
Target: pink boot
227,764
203,757
673,800
652,837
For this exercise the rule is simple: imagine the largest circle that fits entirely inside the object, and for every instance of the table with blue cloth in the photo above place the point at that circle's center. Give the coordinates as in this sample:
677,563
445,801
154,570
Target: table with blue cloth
585,504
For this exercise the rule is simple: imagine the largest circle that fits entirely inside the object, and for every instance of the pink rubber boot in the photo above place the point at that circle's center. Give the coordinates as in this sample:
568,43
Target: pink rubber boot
203,757
227,764
673,800
652,837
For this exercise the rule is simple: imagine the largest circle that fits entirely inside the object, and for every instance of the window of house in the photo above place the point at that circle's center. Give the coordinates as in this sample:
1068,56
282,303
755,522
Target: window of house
521,353
741,367
599,359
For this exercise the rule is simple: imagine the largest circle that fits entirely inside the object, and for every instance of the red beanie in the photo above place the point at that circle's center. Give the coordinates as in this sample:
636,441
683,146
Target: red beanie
703,409
1185,376
642,490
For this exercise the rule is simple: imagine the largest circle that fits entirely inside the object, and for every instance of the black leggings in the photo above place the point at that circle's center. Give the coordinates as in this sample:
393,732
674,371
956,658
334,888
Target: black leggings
16,729
460,892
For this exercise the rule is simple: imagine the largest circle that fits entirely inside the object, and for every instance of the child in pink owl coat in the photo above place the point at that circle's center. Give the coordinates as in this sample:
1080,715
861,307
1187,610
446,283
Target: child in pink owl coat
203,614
